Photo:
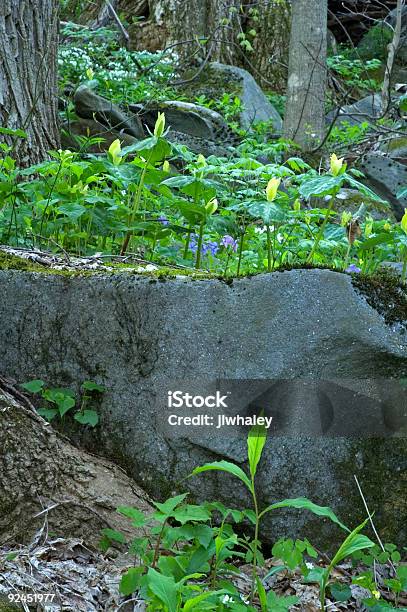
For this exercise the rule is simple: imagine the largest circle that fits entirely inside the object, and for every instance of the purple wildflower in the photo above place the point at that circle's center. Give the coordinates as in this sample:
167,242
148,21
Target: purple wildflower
163,219
207,247
193,243
210,247
353,268
228,241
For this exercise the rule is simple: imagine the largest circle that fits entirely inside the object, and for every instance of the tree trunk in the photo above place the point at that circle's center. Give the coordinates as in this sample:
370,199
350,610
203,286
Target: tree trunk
28,76
305,111
39,470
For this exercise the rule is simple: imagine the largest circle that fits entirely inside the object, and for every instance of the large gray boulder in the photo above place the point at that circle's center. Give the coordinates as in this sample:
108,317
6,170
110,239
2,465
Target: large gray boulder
217,77
306,346
387,177
365,110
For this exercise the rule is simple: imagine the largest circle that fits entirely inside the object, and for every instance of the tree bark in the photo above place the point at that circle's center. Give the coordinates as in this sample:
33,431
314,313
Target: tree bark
28,76
39,469
305,110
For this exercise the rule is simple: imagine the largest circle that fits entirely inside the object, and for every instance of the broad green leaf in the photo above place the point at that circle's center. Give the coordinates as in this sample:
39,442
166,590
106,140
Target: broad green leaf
72,210
187,513
114,535
48,413
202,533
165,588
33,386
268,211
130,581
261,591
192,603
370,243
64,404
340,592
9,132
170,504
89,385
306,504
138,518
87,417
351,544
255,444
280,604
224,466
319,186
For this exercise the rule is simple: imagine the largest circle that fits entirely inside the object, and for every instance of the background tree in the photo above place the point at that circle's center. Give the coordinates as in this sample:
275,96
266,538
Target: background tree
28,75
251,34
307,73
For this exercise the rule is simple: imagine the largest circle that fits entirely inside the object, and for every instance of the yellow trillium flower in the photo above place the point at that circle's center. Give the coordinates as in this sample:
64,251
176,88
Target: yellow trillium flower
271,189
336,164
114,151
404,221
159,125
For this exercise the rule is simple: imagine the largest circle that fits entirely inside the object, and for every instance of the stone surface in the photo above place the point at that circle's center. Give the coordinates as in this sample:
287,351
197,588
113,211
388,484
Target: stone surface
303,345
363,110
89,105
386,177
238,82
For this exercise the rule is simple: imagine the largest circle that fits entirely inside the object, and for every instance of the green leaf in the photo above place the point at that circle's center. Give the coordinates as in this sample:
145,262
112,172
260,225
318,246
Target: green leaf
89,385
130,581
170,504
351,544
370,243
340,592
64,404
11,556
202,533
165,588
269,212
224,466
190,604
33,386
322,185
255,444
9,132
280,604
73,210
87,417
190,512
306,504
138,518
48,413
114,535
262,595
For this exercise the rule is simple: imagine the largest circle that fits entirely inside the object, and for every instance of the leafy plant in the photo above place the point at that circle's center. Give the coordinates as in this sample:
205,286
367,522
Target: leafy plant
59,401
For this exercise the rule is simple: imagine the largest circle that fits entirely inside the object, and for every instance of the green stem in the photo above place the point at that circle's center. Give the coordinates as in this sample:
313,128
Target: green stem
239,261
136,204
187,242
255,543
404,270
268,249
321,229
199,249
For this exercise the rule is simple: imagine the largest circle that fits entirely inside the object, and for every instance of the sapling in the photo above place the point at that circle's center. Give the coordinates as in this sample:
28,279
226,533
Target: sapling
255,444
